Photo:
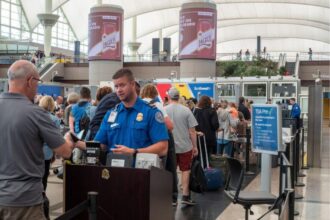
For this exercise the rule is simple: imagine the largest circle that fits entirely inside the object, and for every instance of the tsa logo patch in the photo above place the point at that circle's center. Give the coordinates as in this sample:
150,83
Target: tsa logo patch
159,117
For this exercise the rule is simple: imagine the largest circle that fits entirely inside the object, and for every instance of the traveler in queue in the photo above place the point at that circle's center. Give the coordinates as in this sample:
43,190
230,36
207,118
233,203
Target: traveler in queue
295,111
25,127
184,134
133,126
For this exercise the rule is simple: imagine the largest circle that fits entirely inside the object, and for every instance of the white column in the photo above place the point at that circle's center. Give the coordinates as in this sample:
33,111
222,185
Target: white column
48,29
47,40
48,20
134,29
48,6
99,2
160,36
133,45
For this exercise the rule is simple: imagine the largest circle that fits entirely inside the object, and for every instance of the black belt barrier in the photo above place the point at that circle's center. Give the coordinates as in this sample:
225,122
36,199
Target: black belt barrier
89,204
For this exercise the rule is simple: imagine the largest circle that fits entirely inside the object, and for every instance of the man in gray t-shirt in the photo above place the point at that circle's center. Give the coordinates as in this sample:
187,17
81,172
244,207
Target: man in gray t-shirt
24,128
184,135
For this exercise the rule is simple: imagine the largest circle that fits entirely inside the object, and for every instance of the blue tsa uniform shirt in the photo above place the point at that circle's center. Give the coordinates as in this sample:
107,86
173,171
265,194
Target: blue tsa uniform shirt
137,127
295,112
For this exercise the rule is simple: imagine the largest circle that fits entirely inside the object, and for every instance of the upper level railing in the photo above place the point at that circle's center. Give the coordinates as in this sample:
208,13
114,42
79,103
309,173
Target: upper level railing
274,56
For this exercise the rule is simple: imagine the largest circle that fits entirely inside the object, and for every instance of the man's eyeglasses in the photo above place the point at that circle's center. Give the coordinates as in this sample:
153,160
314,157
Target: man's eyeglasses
39,80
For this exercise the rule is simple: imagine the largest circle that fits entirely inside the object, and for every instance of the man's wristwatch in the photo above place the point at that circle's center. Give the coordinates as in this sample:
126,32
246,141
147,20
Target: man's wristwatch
135,152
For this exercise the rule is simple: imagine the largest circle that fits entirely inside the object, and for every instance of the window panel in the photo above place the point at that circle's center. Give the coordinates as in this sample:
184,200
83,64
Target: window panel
34,37
5,31
15,9
54,42
5,13
71,46
15,16
5,5
41,38
15,23
25,35
14,36
5,21
15,31
65,44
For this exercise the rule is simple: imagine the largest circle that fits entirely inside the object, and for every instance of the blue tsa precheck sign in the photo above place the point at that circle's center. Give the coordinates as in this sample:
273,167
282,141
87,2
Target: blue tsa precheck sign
266,128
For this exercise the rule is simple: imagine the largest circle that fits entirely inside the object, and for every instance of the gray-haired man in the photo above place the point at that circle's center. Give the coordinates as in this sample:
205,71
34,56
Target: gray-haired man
24,128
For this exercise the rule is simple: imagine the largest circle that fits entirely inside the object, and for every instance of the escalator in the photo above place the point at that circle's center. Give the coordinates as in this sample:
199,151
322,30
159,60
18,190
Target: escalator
290,67
45,69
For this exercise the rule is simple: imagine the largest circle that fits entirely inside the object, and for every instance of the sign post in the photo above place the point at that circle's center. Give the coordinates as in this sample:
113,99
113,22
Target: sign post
266,131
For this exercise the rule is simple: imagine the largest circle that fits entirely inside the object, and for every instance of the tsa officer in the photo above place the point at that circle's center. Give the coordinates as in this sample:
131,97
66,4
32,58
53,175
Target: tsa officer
132,126
295,111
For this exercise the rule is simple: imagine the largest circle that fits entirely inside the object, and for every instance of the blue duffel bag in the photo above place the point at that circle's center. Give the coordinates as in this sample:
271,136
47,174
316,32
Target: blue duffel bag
214,177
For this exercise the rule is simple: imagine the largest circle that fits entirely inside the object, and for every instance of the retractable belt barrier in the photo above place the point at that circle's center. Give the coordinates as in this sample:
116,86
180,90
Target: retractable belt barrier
90,204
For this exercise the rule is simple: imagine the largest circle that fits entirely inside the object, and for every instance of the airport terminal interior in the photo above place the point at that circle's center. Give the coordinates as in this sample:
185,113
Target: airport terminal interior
262,68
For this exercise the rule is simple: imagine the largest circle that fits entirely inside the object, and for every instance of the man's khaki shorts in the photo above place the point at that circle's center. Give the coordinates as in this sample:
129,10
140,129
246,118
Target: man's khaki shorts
27,213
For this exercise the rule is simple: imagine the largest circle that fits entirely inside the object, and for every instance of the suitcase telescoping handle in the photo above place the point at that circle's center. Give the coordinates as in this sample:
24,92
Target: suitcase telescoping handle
201,152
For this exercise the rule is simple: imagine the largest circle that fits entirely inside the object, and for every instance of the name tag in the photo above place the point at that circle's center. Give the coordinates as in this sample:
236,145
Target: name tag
112,117
117,163
114,125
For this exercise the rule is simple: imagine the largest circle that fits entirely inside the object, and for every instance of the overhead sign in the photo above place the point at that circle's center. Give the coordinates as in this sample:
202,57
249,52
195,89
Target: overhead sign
188,90
51,90
197,33
105,36
200,89
266,128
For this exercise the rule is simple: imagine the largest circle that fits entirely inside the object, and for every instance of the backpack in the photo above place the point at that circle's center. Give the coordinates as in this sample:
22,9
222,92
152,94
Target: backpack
84,121
197,181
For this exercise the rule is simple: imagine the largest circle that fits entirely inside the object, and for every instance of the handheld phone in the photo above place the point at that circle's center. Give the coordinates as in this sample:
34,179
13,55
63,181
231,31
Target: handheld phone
74,137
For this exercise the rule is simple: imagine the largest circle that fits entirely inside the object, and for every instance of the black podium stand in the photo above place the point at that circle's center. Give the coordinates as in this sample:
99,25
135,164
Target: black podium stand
123,193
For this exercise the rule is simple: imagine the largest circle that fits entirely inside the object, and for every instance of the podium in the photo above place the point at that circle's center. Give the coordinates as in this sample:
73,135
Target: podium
124,193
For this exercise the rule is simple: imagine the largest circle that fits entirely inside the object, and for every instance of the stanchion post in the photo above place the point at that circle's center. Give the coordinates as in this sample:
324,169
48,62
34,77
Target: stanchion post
292,211
92,205
247,152
297,154
297,160
303,150
281,178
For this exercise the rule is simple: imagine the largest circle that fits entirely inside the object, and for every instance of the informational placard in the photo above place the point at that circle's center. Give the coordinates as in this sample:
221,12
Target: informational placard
266,128
105,36
200,89
197,33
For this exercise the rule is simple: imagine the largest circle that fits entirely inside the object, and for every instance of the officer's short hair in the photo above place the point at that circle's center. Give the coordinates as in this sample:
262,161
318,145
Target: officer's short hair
124,72
293,99
85,93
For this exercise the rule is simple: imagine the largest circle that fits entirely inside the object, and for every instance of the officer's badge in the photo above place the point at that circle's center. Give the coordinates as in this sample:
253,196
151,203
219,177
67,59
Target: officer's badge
105,174
139,117
159,117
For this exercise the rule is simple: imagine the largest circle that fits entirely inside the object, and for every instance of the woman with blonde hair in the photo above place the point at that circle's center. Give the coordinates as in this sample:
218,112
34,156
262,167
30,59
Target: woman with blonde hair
47,103
72,99
149,94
